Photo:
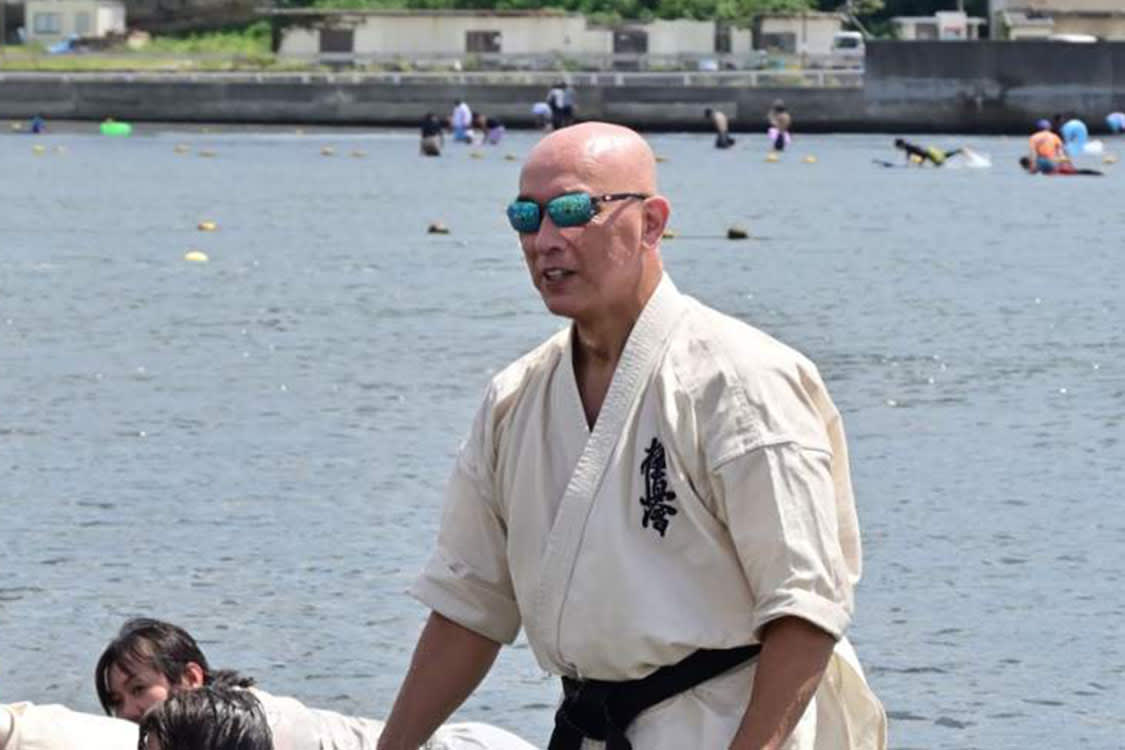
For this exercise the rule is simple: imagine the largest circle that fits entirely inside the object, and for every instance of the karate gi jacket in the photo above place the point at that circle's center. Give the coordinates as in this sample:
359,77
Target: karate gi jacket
711,496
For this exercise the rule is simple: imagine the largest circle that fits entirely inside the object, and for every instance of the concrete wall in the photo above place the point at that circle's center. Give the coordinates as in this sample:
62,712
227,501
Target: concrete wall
998,87
346,99
990,86
676,37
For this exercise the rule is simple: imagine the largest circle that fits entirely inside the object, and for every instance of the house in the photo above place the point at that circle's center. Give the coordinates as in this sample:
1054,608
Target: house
513,38
807,35
1042,19
51,20
943,25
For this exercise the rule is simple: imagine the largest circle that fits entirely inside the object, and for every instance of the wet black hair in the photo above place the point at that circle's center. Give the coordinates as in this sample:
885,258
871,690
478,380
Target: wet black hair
165,647
1025,162
215,717
900,142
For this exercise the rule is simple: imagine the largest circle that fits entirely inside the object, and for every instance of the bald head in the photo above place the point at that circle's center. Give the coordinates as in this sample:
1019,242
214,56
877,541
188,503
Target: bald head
607,158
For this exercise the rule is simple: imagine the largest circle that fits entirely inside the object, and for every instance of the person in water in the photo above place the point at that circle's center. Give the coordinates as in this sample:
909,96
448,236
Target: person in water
722,127
214,717
1046,148
1062,167
920,155
149,661
433,138
1115,121
780,121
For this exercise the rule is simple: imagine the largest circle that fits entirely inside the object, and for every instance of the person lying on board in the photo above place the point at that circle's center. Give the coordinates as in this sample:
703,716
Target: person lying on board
1041,166
150,660
919,155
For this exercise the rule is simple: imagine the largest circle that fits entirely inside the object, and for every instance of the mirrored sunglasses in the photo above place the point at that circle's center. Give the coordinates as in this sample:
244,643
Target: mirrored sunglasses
566,210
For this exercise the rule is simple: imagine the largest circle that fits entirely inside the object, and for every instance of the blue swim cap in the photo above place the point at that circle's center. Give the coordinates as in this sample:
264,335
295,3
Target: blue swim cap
1043,124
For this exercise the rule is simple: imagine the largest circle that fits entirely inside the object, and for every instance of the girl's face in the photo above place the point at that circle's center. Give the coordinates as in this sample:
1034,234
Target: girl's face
135,688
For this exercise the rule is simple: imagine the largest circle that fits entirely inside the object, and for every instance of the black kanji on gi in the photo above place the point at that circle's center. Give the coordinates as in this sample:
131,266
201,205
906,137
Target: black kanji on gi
657,497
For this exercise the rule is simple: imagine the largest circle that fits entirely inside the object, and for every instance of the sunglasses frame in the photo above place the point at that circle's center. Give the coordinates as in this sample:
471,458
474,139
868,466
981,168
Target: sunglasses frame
545,208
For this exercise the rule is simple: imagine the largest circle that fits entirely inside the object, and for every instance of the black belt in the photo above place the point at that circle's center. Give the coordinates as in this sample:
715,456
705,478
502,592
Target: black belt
600,710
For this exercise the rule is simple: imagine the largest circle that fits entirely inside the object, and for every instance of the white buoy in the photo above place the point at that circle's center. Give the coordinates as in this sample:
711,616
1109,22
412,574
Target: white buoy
196,256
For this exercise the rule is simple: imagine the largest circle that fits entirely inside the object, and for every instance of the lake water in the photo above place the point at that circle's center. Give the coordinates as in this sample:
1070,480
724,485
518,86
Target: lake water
256,447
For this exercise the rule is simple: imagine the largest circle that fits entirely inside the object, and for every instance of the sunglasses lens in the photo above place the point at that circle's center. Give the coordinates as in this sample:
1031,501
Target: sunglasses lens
571,209
524,216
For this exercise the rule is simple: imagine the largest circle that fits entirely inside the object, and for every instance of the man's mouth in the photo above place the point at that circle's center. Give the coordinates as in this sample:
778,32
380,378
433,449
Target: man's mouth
556,274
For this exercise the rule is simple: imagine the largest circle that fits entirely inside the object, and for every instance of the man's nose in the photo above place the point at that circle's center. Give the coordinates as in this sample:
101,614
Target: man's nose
549,237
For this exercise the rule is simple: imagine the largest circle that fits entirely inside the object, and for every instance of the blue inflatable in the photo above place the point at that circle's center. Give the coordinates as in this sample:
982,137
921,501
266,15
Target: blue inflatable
1074,135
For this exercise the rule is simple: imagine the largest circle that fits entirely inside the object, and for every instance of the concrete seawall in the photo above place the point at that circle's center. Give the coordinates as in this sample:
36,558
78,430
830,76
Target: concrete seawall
908,86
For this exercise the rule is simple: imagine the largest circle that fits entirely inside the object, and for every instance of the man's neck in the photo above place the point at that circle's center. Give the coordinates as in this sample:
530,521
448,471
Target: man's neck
598,345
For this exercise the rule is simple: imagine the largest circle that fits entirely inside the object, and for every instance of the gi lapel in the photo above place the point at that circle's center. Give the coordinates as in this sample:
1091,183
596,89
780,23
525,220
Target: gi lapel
642,352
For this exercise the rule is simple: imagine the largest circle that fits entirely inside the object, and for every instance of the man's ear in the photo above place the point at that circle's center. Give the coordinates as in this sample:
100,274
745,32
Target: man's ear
657,210
192,677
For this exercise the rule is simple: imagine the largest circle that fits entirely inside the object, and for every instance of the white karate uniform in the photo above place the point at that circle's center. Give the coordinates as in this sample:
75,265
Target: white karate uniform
295,726
26,726
711,497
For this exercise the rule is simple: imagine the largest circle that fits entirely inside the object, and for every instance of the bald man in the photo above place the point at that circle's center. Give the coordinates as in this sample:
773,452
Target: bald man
658,494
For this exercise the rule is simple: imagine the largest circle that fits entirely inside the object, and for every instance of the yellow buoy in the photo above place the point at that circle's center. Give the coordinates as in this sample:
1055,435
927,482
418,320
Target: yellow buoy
772,156
196,256
207,226
38,149
437,228
16,126
662,158
182,148
476,155
206,153
737,233
1109,159
670,234
810,160
327,151
358,153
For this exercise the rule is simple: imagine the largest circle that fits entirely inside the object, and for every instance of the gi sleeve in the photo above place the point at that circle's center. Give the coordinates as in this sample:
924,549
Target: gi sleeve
467,578
779,502
55,727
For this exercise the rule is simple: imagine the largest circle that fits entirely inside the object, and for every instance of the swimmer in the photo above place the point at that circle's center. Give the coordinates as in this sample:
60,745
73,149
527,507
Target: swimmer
1115,121
916,154
461,122
432,136
722,127
1060,168
780,122
1046,148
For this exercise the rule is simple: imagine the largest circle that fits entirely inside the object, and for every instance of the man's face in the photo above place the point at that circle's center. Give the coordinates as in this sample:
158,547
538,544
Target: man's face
588,271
